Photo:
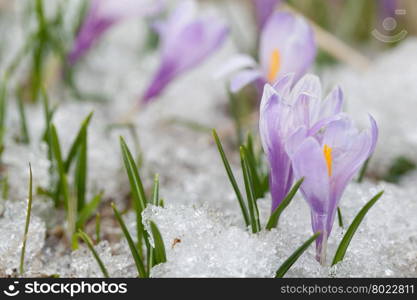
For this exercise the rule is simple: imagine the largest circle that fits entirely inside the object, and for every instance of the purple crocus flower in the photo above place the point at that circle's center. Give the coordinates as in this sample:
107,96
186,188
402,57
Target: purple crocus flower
282,111
102,15
328,161
186,41
287,45
263,10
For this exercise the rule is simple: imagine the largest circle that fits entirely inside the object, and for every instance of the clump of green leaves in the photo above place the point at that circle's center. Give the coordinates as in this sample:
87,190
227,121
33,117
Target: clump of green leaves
256,185
155,254
400,166
70,195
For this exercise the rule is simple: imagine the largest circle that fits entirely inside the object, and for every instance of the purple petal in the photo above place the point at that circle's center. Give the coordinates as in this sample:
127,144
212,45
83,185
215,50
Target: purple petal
186,42
264,9
293,38
283,86
243,78
333,103
236,63
272,132
308,162
102,15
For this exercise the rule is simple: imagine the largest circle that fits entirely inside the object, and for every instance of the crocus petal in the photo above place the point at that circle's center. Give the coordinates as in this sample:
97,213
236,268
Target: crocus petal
272,132
236,63
350,150
186,41
103,14
263,10
308,162
294,40
243,78
283,86
333,103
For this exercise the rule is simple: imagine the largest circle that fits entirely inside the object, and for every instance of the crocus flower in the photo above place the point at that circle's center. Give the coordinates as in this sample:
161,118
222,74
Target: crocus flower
328,161
102,15
283,110
287,45
263,10
185,42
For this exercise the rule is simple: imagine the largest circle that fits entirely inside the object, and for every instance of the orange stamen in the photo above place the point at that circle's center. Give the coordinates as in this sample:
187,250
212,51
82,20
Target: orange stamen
327,151
274,65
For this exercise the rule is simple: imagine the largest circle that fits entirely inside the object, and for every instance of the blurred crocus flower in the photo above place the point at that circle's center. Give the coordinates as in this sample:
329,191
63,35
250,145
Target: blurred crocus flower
328,161
287,45
185,42
283,110
102,15
263,10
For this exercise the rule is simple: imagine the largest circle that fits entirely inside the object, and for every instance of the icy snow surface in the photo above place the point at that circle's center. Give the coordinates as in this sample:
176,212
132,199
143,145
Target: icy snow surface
201,224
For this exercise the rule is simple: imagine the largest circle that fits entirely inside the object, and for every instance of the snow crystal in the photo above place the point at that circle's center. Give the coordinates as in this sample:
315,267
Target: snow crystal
200,242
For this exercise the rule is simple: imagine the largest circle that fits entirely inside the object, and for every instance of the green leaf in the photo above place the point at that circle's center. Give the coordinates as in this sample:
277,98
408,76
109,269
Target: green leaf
78,140
90,246
25,138
250,193
155,194
362,172
253,167
399,167
138,193
136,185
273,219
339,217
294,257
344,243
138,261
27,222
48,113
70,203
56,150
232,179
98,227
160,256
88,210
81,170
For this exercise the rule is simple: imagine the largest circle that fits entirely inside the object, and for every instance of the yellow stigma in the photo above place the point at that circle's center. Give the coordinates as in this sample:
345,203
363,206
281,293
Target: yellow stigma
274,65
327,151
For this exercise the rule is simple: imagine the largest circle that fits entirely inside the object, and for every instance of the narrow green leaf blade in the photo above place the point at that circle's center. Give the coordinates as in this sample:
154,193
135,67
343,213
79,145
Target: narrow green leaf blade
136,185
90,246
138,261
339,217
88,210
344,243
27,222
155,194
293,258
250,193
232,179
81,170
274,218
160,255
252,163
78,140
138,192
